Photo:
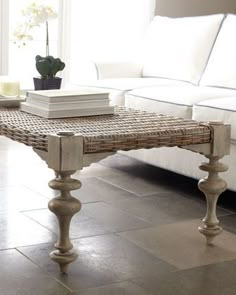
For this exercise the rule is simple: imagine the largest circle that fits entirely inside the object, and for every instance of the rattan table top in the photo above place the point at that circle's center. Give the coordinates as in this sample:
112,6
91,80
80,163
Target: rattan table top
127,129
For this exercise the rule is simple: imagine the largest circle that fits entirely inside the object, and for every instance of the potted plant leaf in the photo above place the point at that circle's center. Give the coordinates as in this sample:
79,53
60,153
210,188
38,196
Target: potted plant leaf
48,66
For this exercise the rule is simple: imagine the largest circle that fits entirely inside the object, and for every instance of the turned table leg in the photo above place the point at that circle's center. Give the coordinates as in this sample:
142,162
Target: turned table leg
64,207
212,186
65,156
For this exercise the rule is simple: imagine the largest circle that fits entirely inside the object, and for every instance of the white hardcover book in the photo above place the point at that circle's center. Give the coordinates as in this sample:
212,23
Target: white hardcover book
42,112
68,95
69,104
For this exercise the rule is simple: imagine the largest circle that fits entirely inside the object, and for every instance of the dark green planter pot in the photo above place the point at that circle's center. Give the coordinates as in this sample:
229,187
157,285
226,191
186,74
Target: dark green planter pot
46,84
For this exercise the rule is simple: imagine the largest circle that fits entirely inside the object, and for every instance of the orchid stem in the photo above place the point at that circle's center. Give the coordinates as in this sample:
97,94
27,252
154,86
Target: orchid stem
47,40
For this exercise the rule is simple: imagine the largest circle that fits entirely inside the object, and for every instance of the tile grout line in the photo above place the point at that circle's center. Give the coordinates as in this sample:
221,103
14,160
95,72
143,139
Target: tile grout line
42,269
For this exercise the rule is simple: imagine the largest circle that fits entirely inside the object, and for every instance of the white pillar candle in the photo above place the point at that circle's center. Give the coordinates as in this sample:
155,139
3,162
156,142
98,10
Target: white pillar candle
9,87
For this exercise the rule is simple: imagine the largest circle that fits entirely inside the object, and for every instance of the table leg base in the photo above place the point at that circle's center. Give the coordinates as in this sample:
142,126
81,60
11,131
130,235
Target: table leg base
63,259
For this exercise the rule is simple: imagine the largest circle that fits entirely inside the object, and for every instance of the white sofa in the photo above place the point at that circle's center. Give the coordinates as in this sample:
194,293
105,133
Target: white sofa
187,69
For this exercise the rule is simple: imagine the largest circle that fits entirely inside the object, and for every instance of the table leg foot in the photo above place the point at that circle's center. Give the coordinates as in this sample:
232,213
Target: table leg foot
64,207
212,186
63,260
210,233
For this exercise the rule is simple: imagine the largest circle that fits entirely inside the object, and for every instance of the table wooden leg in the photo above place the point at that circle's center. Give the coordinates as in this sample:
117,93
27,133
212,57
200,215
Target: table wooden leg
212,186
64,207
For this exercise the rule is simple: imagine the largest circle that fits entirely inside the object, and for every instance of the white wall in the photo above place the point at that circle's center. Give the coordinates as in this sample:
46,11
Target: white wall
177,8
107,34
3,36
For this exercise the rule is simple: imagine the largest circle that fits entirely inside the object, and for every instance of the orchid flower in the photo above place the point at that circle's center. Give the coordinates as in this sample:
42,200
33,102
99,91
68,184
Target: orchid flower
35,14
21,35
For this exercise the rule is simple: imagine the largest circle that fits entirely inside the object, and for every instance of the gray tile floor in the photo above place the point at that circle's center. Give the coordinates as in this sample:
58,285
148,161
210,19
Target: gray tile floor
136,233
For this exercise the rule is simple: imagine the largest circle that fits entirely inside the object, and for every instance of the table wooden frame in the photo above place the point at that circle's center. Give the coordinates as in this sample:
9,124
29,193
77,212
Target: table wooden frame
65,156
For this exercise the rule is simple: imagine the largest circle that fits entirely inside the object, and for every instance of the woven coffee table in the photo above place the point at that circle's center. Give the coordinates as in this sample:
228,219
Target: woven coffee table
68,145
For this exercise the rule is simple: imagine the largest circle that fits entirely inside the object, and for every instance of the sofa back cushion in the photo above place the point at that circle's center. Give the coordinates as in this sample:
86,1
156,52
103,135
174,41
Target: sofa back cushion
221,67
179,48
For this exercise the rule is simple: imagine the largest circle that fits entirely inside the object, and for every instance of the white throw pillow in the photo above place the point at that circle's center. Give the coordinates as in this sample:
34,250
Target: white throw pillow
221,68
179,48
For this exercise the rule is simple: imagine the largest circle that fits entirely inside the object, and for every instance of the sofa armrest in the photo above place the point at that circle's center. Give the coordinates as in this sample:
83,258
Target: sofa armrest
88,71
109,70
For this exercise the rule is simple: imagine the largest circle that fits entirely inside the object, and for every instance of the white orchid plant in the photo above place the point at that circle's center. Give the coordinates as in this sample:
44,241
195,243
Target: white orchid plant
35,14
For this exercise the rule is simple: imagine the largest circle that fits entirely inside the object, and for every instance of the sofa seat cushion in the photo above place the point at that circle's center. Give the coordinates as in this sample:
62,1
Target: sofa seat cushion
221,68
179,48
119,86
219,109
176,100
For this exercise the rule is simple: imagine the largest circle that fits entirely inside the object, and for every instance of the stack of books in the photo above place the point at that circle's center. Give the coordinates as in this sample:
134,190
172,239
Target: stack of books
67,103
